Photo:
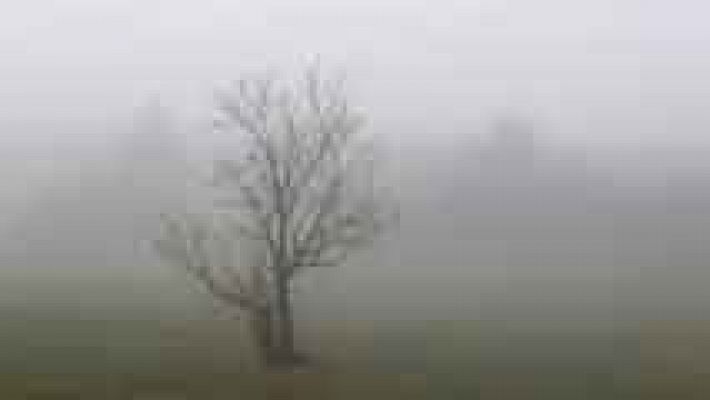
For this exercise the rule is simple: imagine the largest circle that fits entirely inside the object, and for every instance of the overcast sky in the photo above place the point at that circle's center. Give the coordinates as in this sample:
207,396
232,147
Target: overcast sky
607,71
607,75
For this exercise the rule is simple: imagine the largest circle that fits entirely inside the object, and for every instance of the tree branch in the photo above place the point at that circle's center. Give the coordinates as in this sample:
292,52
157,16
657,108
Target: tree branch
185,244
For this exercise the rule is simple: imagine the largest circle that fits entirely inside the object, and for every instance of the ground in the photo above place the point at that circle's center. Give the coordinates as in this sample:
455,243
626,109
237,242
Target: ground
448,360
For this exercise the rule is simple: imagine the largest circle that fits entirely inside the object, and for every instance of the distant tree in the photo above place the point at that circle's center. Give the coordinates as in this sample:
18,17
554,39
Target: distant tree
302,186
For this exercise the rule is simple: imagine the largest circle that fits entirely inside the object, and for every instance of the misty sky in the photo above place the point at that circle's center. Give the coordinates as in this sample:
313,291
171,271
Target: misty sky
609,72
608,75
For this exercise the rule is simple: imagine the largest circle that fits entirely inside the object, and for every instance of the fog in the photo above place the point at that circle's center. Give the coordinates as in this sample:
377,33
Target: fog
550,155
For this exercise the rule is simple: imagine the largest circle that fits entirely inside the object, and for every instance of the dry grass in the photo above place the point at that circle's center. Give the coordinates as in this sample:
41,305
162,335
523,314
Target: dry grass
309,386
202,360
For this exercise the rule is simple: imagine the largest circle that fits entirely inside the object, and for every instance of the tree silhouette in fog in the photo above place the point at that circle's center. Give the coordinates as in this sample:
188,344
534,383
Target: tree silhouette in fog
301,186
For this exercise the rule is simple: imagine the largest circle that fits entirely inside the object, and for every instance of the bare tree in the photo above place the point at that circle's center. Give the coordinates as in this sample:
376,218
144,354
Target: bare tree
303,187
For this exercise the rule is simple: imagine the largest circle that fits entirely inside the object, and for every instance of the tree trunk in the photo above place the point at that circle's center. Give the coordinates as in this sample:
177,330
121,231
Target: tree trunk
285,319
263,328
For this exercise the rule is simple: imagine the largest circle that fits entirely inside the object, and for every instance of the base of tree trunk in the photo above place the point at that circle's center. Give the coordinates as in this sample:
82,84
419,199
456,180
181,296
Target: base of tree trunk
287,361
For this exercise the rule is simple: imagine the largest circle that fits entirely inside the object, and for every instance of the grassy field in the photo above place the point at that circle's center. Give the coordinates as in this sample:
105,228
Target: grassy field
213,386
494,360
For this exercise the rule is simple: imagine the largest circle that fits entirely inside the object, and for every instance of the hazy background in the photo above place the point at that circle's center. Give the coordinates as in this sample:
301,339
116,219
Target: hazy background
551,155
